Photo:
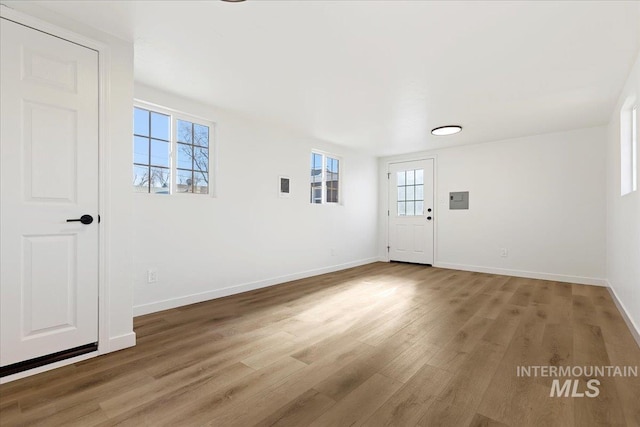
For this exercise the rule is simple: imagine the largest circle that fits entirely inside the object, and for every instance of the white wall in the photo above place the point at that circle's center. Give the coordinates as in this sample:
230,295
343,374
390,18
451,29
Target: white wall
116,220
623,217
247,237
541,197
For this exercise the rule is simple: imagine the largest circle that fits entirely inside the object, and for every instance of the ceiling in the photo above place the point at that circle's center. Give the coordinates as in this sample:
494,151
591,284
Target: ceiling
378,75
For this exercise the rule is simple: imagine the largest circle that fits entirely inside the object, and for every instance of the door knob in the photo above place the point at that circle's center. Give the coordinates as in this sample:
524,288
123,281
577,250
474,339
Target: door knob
85,219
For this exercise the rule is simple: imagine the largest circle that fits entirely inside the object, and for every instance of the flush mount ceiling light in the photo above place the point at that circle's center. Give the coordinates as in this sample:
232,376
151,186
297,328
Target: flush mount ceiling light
233,1
446,130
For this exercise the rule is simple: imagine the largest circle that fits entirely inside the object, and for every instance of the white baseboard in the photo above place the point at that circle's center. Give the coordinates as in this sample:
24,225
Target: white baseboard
167,304
633,328
526,274
121,342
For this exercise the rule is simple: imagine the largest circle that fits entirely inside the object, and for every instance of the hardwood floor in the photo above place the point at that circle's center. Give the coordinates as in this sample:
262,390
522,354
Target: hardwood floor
378,345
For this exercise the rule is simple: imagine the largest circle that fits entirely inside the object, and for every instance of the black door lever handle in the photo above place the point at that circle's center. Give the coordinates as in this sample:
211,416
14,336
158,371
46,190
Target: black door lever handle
85,219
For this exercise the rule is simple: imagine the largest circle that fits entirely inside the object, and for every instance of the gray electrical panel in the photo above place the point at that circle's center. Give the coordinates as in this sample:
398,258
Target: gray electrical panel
459,200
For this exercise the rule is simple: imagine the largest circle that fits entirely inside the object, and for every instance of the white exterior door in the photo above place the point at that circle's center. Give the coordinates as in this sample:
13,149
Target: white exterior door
49,174
411,211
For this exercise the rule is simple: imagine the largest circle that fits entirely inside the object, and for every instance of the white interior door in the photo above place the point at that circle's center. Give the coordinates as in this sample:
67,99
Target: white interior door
411,211
49,174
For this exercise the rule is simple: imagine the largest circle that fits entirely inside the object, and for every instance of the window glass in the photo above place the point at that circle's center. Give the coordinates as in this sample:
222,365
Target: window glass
410,192
184,181
401,208
184,131
324,178
151,151
160,180
140,122
192,157
332,180
184,156
140,150
159,153
401,194
316,178
160,126
201,135
141,178
155,168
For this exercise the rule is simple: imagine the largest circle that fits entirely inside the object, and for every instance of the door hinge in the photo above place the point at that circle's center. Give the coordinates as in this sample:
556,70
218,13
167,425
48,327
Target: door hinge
388,175
387,212
388,247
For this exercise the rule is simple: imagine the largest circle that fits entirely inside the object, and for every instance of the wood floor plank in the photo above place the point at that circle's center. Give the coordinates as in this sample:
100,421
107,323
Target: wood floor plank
496,303
505,326
84,414
523,294
622,351
381,344
503,399
412,400
351,376
482,421
458,402
462,343
114,405
357,406
406,364
305,379
589,350
300,411
561,309
583,310
113,381
200,402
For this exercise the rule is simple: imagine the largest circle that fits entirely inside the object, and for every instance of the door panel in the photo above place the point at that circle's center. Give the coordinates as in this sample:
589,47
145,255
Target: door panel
49,173
403,235
411,211
47,69
50,145
49,284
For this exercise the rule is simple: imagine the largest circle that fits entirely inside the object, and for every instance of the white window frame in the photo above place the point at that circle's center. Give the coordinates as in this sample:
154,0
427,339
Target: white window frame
176,115
629,146
323,177
634,148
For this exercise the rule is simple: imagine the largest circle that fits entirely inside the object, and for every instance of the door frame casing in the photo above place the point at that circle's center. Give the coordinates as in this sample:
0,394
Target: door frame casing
386,257
104,175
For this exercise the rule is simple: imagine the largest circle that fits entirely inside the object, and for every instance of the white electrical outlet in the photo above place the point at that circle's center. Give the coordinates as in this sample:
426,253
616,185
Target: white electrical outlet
152,275
504,252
